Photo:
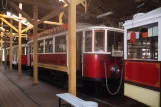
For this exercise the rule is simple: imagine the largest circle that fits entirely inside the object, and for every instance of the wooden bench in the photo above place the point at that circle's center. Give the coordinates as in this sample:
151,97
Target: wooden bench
74,101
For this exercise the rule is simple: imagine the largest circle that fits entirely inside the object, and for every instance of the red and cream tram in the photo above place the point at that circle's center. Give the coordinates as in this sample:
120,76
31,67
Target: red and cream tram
15,56
94,58
7,57
142,56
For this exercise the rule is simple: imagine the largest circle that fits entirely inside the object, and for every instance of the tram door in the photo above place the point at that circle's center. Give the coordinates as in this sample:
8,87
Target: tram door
79,50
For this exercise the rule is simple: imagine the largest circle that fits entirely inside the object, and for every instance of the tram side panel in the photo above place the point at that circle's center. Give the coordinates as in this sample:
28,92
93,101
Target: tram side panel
15,56
142,58
51,64
7,61
53,61
23,57
94,66
135,71
7,56
24,61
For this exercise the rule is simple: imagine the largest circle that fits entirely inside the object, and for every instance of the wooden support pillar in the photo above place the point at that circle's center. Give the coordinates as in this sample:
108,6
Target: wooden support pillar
11,52
35,59
1,48
85,5
19,44
9,24
4,46
1,51
72,46
35,22
11,49
5,54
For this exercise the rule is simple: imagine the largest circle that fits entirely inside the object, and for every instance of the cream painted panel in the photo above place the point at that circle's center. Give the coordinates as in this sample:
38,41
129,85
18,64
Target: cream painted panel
146,96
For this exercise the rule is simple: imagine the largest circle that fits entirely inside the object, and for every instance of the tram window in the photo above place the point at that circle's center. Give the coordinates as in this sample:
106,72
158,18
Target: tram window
142,42
60,43
114,41
40,46
49,45
88,41
26,50
14,50
99,41
31,48
23,50
7,51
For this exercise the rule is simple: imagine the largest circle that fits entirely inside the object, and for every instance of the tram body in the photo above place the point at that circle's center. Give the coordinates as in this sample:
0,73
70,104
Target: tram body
15,55
142,56
94,48
23,56
7,56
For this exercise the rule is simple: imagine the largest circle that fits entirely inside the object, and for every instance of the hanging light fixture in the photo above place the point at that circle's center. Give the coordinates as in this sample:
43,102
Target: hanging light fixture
105,14
62,1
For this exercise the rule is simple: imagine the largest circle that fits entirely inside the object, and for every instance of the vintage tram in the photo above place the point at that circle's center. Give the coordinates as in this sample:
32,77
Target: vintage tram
7,56
142,56
94,59
15,56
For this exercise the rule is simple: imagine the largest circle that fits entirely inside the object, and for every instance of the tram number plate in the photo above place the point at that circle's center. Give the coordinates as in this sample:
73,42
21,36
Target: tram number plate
117,53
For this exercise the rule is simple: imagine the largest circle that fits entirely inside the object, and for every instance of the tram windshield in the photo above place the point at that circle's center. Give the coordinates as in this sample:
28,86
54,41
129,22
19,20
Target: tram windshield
114,41
99,41
102,43
88,41
142,42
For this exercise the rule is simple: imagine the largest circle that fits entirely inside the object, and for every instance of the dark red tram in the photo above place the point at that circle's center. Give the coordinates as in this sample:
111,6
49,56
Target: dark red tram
99,53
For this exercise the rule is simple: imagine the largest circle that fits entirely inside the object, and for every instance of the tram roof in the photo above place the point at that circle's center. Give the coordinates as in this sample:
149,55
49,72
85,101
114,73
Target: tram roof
122,10
83,27
140,17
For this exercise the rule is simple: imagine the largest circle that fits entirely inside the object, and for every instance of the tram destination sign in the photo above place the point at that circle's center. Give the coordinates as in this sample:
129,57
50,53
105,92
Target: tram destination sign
117,53
53,30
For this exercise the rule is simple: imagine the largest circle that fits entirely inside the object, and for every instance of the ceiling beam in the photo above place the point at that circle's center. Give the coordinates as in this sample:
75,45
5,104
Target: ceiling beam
77,1
80,1
61,17
21,12
55,12
84,4
39,3
9,24
11,17
22,18
27,28
53,23
8,34
66,1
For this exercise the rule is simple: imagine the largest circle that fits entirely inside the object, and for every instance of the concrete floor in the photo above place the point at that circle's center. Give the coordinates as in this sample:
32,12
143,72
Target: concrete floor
12,96
45,94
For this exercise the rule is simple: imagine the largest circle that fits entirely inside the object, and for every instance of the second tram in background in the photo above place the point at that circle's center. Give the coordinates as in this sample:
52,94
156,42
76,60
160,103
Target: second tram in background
94,59
15,56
